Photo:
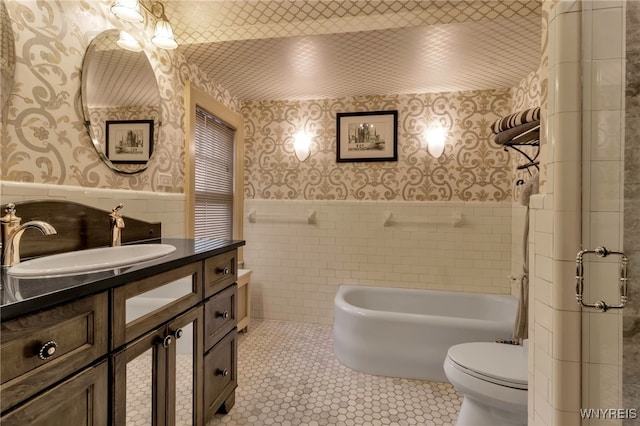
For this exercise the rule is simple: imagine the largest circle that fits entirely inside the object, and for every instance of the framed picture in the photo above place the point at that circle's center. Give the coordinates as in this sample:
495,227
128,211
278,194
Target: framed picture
367,136
129,141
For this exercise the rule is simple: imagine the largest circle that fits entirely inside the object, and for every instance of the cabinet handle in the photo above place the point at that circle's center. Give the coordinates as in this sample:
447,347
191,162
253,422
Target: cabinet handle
47,350
224,271
224,314
166,342
222,372
178,333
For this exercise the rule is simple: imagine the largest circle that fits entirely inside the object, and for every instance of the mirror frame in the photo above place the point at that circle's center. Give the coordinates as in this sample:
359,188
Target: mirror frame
98,140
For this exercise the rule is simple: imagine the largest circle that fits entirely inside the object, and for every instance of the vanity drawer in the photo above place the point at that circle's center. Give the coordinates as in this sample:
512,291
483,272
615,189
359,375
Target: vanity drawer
220,271
220,376
220,314
74,334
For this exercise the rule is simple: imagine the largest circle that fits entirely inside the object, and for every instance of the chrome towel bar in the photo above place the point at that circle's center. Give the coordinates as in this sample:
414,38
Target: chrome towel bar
601,305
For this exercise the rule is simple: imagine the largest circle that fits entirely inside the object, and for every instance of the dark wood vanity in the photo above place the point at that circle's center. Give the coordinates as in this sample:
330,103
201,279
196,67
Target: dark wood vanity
65,354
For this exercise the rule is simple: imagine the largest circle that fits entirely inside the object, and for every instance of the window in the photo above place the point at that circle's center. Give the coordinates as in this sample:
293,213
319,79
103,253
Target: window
214,173
214,168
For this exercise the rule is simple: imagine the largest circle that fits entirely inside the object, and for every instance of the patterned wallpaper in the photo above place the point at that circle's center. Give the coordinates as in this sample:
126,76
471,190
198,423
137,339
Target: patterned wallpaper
45,140
472,167
7,56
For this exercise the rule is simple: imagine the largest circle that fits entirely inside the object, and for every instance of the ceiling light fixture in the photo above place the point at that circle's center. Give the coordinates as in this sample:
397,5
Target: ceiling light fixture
129,10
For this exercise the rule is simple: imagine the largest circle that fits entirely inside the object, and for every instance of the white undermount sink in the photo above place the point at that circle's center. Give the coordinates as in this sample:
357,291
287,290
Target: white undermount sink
91,260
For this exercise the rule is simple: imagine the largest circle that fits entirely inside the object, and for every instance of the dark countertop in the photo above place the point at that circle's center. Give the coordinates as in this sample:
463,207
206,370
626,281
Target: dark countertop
43,293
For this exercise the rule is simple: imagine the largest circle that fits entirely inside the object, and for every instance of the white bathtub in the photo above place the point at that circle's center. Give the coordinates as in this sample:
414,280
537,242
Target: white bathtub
406,333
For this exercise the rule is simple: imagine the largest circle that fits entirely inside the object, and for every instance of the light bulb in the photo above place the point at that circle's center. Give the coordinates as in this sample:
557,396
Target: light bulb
302,146
163,35
129,10
435,138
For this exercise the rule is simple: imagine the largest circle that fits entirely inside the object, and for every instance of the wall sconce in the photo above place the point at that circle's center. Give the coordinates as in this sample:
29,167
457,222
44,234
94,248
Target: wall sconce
302,145
435,139
129,10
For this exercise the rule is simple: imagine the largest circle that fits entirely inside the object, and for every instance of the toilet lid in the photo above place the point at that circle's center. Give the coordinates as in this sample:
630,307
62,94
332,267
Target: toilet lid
495,362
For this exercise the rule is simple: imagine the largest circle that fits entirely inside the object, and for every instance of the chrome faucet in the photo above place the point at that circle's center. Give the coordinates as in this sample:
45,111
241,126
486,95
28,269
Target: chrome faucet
12,232
117,223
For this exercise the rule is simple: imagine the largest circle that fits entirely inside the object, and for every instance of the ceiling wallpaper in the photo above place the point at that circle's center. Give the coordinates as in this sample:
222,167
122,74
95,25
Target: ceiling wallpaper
472,167
45,139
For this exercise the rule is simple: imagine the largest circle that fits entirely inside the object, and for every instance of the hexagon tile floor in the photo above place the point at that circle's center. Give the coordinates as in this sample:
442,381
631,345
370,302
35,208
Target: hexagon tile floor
288,375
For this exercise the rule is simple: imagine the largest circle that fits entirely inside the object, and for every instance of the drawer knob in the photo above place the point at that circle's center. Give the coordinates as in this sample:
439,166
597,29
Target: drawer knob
166,342
178,333
224,314
222,372
47,350
224,271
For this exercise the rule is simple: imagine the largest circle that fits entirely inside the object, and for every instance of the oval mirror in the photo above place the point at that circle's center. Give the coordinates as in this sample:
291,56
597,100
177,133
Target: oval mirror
7,59
121,103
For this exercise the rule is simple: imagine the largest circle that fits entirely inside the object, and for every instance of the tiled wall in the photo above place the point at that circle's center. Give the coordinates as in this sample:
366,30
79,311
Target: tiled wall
554,321
575,359
148,206
603,64
297,267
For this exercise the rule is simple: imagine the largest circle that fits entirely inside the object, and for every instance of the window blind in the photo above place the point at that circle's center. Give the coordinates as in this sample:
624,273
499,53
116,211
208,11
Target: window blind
213,177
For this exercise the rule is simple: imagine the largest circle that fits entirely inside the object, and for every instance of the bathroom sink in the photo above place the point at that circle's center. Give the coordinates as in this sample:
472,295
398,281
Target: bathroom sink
91,260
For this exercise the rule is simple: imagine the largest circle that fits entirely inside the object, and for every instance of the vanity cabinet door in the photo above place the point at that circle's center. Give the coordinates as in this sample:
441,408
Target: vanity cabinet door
185,369
40,349
220,375
79,401
158,378
139,381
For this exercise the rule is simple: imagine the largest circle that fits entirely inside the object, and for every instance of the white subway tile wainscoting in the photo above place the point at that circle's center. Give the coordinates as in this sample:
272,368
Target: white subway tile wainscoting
146,205
297,267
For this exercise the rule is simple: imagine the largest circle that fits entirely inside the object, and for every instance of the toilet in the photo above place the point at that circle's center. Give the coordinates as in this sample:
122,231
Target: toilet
492,377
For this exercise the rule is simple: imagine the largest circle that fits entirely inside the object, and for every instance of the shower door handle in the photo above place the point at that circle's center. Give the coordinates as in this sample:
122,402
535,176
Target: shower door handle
601,305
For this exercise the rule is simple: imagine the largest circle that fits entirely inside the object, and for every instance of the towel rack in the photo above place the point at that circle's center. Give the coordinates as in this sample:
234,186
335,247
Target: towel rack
310,218
623,280
529,138
456,220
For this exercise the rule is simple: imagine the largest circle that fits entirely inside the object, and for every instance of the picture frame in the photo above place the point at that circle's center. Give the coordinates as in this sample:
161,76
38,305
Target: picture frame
367,136
129,141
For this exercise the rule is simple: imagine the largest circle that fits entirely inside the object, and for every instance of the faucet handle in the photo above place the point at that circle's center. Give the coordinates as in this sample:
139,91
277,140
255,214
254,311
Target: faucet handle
116,208
117,221
10,217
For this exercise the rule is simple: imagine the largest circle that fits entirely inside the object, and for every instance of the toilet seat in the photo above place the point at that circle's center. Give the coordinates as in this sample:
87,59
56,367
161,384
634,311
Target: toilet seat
497,363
